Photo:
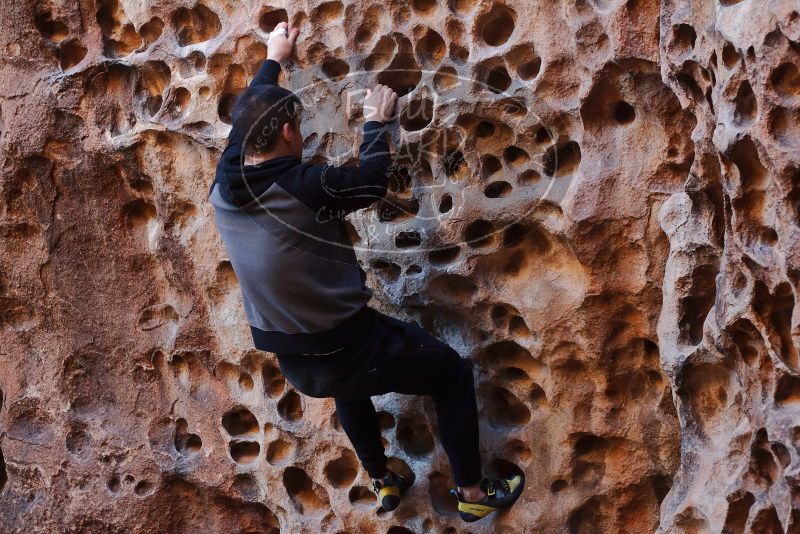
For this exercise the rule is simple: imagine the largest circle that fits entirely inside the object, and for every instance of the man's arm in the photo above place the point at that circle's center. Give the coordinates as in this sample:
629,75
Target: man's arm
333,192
279,48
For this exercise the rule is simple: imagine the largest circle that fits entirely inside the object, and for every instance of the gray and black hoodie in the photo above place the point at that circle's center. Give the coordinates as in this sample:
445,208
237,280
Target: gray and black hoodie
282,222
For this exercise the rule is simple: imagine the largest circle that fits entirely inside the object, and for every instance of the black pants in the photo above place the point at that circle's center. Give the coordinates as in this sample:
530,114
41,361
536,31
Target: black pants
401,358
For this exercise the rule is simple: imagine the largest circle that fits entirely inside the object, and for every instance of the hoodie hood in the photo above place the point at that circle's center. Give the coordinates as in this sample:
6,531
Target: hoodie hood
239,183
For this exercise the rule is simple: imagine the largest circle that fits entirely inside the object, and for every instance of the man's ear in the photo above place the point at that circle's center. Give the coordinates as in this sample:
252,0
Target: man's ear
287,132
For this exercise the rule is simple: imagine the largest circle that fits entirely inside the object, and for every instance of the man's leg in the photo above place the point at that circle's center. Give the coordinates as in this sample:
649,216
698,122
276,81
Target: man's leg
360,422
417,363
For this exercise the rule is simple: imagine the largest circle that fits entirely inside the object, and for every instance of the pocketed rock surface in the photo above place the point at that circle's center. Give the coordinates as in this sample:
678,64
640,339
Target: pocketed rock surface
599,209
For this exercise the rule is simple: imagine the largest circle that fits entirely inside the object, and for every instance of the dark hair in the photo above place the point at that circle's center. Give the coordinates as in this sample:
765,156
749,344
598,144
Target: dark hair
259,115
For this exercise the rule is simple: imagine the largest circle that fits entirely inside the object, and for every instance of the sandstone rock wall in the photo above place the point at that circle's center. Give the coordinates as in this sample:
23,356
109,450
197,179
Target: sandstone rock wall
600,210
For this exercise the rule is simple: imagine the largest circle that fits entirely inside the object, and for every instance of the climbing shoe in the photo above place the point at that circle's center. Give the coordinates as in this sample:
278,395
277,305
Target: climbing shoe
390,488
501,493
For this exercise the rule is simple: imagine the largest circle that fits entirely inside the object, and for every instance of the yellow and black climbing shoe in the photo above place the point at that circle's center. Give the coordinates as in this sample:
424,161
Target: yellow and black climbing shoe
390,489
501,493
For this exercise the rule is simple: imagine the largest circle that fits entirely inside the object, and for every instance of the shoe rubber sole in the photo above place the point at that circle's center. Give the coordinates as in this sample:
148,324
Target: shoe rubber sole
471,518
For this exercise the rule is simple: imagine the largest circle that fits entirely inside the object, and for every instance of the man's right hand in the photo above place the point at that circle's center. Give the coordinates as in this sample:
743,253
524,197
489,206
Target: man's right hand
281,42
379,104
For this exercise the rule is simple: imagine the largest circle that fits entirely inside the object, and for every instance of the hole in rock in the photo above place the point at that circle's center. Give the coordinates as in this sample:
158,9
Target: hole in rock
326,13
558,485
153,80
55,30
479,234
139,213
113,483
424,7
516,156
781,453
246,381
461,7
430,48
452,289
290,407
417,114
454,165
385,420
70,53
178,103
704,388
244,452
496,26
186,443
738,512
342,471
445,79
529,177
274,383
788,389
195,25
524,60
767,522
683,38
240,421
502,408
403,74
119,36
245,487
386,268
497,189
151,31
490,165
623,112
443,256
361,496
399,530
498,79
381,54
270,18
225,107
786,80
414,436
776,310
302,491
563,160
695,308
745,104
395,209
484,129
407,239
730,57
439,492
335,69
446,203
143,488
513,234
278,451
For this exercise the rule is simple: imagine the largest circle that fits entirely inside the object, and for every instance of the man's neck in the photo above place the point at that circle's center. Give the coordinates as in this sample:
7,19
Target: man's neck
277,152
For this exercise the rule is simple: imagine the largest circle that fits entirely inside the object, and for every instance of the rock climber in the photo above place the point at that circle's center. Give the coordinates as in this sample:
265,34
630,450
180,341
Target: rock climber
305,295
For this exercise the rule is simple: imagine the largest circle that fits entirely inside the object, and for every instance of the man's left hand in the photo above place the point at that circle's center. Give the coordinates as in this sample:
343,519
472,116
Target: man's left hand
281,42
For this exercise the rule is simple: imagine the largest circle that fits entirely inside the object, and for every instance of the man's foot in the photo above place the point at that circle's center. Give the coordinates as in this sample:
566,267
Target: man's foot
390,488
501,493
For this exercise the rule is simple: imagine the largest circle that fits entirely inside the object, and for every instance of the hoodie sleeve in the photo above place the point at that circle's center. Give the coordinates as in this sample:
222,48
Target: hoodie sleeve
333,192
267,74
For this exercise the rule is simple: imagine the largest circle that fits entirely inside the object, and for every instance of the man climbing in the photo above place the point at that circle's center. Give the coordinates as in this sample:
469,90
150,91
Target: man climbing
304,294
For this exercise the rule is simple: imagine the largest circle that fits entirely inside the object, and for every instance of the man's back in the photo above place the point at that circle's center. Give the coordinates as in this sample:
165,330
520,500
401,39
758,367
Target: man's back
282,222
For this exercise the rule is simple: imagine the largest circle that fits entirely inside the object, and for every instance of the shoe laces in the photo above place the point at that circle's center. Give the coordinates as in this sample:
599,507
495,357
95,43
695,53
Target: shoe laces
387,480
492,485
